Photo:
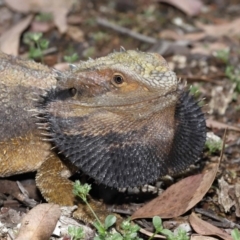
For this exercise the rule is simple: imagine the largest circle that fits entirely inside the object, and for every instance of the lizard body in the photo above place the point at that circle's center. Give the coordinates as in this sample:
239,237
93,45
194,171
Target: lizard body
121,119
21,82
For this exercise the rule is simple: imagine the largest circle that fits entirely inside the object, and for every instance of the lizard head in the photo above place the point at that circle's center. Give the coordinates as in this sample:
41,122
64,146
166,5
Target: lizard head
119,79
123,120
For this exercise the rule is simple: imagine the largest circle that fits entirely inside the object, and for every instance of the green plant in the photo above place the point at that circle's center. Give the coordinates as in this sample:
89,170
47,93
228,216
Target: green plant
76,233
235,234
213,146
194,90
233,73
82,190
71,58
129,230
223,55
37,44
157,223
149,12
100,37
70,55
90,22
44,17
89,52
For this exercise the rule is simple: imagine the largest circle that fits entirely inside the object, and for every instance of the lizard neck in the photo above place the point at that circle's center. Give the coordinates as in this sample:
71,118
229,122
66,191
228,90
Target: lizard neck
127,148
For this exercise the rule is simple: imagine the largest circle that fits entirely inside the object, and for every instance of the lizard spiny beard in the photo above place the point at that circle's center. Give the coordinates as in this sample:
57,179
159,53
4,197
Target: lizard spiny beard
120,151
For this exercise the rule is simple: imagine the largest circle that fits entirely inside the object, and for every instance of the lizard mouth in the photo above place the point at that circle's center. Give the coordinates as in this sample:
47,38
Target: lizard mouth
118,101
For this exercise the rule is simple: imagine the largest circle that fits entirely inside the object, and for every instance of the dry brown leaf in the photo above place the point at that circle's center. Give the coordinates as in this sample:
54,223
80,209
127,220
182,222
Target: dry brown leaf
221,97
225,29
194,37
209,49
170,34
223,195
235,195
75,19
199,237
75,33
12,188
61,66
59,9
215,124
237,198
39,223
9,40
37,26
190,7
180,197
60,16
205,228
173,35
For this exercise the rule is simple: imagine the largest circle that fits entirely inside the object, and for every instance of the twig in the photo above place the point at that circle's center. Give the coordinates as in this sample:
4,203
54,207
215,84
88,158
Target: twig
121,211
50,50
225,222
105,23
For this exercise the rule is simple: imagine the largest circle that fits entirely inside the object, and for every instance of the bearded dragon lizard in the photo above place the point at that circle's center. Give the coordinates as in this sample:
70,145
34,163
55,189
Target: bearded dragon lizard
122,119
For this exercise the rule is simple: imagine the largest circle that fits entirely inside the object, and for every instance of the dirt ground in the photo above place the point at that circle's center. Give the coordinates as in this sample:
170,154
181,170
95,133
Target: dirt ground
201,42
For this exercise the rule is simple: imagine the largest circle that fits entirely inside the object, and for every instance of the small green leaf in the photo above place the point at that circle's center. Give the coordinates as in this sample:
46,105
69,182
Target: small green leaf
81,190
71,58
100,229
109,221
44,43
167,233
157,223
117,236
76,232
235,234
36,36
35,53
125,224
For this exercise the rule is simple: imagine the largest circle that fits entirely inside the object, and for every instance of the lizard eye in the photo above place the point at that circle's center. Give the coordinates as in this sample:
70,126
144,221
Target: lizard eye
117,80
72,92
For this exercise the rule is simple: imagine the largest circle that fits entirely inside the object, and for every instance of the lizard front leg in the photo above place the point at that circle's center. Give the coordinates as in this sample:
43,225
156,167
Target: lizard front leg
52,180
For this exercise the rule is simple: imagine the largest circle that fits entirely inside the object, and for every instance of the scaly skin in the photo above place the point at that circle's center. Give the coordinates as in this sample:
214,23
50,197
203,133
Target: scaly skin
21,83
121,119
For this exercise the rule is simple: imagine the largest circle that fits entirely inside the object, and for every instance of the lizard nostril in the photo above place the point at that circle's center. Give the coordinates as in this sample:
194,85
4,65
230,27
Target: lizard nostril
72,91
